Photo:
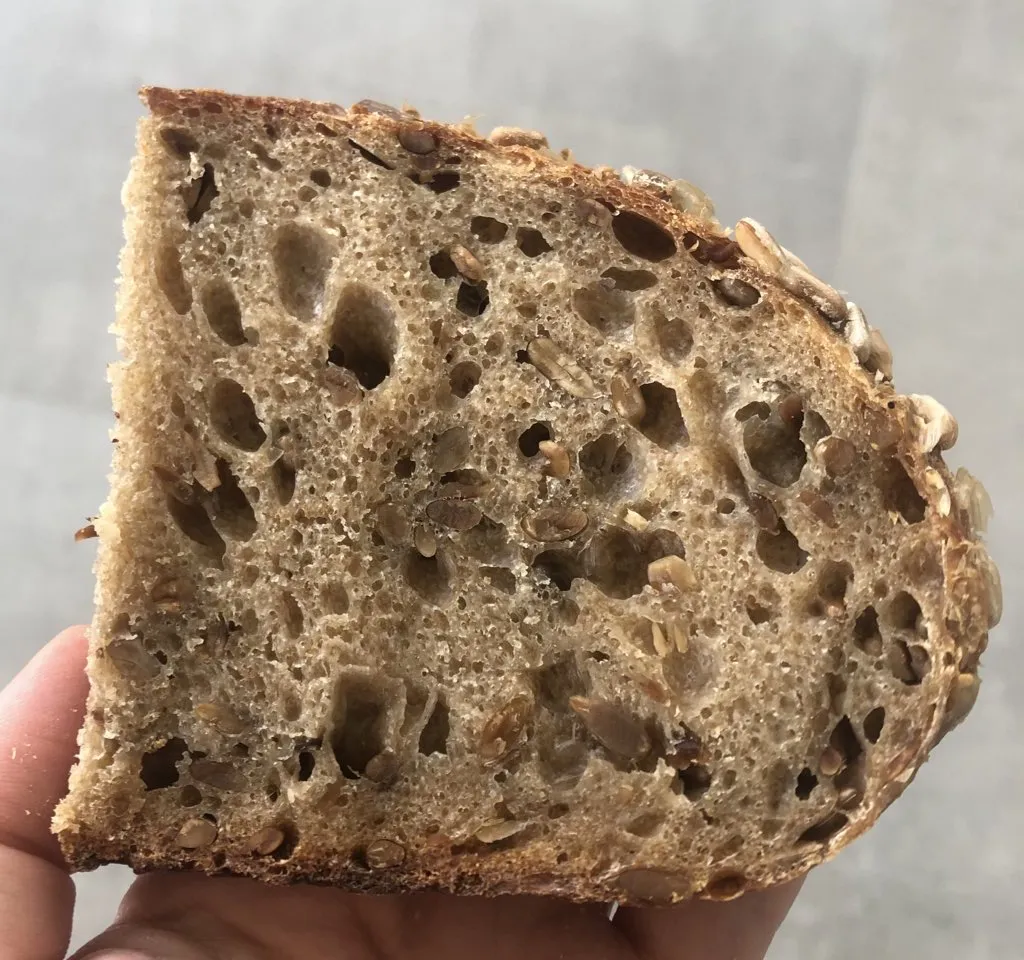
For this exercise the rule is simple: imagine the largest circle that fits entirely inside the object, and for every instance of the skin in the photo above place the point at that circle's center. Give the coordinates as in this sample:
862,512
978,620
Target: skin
194,917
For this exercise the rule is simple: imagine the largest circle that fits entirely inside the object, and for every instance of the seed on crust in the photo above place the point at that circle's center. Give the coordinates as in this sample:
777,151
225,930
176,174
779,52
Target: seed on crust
938,428
758,244
416,139
516,137
689,198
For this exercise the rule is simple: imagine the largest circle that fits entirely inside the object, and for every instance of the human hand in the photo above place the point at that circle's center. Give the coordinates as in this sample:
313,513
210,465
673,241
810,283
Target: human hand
188,916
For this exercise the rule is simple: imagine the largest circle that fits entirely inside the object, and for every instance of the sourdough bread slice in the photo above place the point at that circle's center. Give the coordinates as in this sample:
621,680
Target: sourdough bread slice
487,523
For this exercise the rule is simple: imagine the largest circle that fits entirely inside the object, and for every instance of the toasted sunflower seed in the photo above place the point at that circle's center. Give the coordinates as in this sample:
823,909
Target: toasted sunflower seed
830,762
460,515
196,833
737,292
938,428
689,198
223,718
836,455
466,263
505,727
424,541
627,399
416,139
758,244
671,571
937,487
383,853
555,523
516,137
264,842
973,499
558,465
494,831
613,726
552,361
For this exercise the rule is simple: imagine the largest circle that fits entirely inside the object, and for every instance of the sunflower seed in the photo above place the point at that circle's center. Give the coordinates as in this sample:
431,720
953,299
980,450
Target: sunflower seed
937,427
496,830
627,399
558,465
505,727
836,455
416,139
758,244
425,541
553,524
973,499
689,198
671,571
196,833
466,263
937,487
830,762
736,292
382,853
383,768
613,726
391,524
223,718
458,515
661,644
264,842
516,137
451,449
553,363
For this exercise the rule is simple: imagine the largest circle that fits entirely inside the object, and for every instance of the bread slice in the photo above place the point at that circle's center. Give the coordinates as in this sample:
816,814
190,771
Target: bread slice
487,523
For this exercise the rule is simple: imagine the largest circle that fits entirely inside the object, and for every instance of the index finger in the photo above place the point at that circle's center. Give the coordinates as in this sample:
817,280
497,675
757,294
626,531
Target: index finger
40,713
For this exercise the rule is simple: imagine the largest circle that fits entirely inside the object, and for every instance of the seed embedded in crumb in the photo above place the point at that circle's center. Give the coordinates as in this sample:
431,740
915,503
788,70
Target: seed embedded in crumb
466,263
424,541
836,455
831,761
627,399
593,212
223,718
383,768
558,465
613,726
459,515
342,386
504,729
493,831
382,854
671,571
660,641
196,833
264,842
554,524
736,292
553,362
636,520
937,488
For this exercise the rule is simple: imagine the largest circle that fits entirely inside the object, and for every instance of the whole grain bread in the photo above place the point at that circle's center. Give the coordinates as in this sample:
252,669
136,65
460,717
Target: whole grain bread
487,523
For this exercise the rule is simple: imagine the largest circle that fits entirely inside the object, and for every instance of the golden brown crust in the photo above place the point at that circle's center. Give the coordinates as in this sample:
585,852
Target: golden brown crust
943,557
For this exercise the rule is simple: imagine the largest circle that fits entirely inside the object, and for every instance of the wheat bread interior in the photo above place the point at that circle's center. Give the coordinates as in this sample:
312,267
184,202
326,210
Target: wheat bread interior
487,523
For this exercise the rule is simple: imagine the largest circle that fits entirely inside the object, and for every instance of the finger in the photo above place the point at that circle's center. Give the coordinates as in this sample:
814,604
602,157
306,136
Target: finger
40,713
741,929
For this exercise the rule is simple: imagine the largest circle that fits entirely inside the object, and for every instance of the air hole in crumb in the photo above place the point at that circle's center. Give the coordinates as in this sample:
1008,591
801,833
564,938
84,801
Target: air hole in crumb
631,281
642,237
557,681
179,143
780,551
866,634
190,796
824,831
615,563
607,465
773,445
291,614
159,767
472,299
607,310
532,242
302,257
899,493
369,155
725,506
694,781
265,158
464,376
530,439
428,576
442,265
674,336
903,611
405,467
758,614
307,764
171,278
230,507
488,230
335,598
282,475
358,714
559,566
363,335
439,182
246,207
199,194
833,580
223,313
233,416
645,824
320,177
662,422
287,846
434,738
501,578
873,724
805,783
193,521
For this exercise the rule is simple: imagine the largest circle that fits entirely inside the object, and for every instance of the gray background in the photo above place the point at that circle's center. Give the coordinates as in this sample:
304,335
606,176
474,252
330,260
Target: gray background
881,139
